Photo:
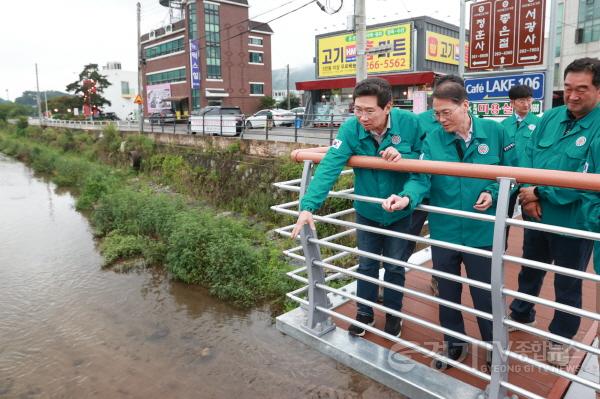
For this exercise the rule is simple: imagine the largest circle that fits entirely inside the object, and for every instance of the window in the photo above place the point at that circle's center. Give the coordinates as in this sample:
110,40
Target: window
255,41
193,21
560,12
125,88
177,75
589,20
256,58
213,41
195,99
164,48
257,88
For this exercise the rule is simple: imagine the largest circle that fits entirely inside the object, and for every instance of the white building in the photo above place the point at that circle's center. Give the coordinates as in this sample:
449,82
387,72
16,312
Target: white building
577,34
122,91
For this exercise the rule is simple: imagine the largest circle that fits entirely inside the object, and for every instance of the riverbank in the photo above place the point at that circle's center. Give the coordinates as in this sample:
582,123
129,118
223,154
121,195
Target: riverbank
150,217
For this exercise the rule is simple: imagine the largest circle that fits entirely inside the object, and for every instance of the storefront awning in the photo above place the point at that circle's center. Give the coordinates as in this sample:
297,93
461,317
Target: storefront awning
398,79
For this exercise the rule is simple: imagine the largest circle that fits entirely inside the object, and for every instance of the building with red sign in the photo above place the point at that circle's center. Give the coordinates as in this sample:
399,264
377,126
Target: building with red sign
213,55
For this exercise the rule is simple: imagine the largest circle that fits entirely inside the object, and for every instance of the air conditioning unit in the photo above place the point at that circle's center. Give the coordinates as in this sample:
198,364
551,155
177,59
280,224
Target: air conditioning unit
578,35
152,34
169,28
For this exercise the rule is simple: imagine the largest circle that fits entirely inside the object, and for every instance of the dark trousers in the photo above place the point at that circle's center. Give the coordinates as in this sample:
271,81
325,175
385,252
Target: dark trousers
512,202
564,251
478,268
391,247
416,225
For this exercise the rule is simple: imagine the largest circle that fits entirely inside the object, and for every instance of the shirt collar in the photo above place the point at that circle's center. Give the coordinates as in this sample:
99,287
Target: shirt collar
584,122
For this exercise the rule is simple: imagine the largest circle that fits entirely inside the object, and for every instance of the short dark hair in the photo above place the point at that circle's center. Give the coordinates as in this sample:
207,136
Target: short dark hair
449,78
377,87
520,91
586,64
450,91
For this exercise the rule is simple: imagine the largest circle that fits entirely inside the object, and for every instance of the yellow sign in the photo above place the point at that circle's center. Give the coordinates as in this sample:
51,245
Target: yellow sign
336,55
441,48
138,99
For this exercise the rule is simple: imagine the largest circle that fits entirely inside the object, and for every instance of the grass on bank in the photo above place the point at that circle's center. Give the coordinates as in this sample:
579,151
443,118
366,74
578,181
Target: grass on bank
234,260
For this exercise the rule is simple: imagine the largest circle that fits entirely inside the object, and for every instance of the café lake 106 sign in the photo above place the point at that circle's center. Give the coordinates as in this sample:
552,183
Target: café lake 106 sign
507,33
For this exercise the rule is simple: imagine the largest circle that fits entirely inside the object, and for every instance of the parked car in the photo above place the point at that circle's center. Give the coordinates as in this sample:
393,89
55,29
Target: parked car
216,119
162,117
281,117
298,110
108,116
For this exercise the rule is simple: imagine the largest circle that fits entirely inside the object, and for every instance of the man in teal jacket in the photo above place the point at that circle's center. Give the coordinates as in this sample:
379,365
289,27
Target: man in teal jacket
461,138
520,126
377,130
561,142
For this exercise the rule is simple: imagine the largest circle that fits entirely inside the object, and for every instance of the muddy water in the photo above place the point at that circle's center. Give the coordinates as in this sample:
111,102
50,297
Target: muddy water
69,329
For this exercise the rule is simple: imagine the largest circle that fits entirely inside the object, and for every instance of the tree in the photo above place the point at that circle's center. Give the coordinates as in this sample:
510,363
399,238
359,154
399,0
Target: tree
267,102
62,107
294,102
9,110
90,86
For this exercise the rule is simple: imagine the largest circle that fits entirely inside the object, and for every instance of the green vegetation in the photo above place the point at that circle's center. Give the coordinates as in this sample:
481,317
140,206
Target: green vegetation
139,220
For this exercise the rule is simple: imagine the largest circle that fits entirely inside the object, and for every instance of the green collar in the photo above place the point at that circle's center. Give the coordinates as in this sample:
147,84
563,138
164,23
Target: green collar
365,134
584,122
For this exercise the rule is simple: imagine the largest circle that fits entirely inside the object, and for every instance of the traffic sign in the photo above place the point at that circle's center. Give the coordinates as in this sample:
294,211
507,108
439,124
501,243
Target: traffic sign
531,32
481,32
138,100
497,87
507,33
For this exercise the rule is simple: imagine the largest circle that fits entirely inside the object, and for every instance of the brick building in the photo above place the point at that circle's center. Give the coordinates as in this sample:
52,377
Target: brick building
214,55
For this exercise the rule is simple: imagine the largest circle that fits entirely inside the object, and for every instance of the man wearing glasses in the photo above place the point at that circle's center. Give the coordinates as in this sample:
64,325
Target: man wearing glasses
561,141
376,130
460,138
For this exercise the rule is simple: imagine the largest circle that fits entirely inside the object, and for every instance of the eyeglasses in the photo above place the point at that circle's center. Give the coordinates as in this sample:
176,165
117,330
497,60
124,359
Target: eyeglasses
445,113
364,112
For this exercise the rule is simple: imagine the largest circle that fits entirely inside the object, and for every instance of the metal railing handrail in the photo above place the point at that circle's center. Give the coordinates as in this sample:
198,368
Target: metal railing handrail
545,177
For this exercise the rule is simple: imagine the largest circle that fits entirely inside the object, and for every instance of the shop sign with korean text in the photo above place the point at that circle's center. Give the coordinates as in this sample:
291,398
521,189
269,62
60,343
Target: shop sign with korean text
441,48
499,108
336,54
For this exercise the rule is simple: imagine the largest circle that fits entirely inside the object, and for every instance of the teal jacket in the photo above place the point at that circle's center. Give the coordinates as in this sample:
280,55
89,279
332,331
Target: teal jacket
561,143
590,211
352,139
521,132
490,145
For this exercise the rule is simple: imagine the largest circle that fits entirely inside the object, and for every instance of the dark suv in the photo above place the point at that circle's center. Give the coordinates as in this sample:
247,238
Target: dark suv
215,110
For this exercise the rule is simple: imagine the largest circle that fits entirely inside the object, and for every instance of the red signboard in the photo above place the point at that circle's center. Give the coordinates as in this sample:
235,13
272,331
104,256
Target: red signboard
531,32
481,34
505,32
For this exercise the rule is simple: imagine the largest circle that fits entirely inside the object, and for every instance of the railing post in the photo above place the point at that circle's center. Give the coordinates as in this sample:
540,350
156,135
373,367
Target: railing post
267,129
499,371
317,323
331,130
221,117
296,128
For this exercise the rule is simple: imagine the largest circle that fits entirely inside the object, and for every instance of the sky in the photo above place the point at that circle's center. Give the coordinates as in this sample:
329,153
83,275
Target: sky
62,36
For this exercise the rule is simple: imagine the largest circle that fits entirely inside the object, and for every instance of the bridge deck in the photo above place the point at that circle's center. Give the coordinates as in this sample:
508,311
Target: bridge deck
542,383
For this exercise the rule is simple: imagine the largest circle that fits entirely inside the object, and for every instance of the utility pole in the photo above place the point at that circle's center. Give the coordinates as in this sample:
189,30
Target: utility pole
140,58
550,56
287,85
46,102
462,39
39,100
360,20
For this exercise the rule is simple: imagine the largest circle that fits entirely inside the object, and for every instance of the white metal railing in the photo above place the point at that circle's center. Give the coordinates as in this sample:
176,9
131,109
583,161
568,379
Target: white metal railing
320,312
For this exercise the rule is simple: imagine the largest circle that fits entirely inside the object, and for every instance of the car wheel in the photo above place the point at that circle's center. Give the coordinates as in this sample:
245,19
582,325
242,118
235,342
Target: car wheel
248,125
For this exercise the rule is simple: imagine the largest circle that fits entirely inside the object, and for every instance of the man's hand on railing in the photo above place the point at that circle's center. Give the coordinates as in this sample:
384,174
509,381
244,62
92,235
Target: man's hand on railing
527,195
303,218
390,154
483,202
395,203
533,209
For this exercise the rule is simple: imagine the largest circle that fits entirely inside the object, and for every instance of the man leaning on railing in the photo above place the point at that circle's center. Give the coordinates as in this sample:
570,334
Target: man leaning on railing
461,138
560,142
377,130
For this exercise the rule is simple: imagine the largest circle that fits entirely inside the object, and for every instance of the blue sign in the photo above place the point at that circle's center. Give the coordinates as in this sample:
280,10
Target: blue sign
497,87
195,63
